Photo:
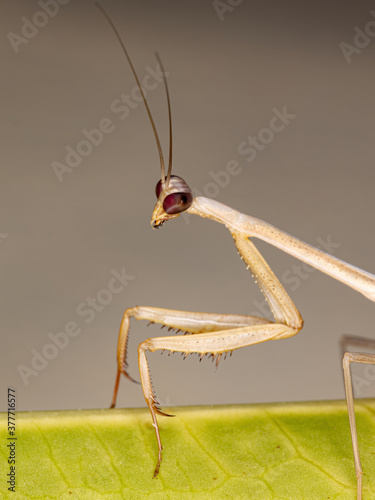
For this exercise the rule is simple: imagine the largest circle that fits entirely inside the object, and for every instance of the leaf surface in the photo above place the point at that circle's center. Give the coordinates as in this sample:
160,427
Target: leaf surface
273,451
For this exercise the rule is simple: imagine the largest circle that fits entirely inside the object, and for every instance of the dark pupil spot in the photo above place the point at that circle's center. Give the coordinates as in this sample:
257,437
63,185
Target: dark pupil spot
177,202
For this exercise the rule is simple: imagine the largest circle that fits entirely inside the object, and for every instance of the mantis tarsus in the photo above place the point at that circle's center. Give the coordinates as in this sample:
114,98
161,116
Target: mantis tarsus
217,334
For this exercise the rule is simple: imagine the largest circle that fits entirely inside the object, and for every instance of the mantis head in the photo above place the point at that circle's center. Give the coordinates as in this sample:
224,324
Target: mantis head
172,200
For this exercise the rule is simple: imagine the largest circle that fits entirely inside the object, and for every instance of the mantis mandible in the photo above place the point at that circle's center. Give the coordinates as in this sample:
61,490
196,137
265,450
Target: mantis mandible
216,335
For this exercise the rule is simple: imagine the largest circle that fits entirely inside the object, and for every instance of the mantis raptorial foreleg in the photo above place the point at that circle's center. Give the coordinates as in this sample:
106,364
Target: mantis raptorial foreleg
218,333
189,322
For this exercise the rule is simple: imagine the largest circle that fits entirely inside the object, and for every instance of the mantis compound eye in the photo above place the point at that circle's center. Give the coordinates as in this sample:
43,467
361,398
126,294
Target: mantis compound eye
177,202
158,189
175,183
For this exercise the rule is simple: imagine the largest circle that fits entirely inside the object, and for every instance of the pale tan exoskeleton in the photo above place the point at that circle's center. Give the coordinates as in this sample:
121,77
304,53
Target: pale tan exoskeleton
217,334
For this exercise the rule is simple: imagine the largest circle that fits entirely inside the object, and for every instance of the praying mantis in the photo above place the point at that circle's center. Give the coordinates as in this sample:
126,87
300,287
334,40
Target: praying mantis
216,335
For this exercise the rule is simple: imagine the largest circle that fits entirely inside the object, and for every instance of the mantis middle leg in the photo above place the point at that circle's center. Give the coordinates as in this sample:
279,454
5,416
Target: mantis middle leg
354,357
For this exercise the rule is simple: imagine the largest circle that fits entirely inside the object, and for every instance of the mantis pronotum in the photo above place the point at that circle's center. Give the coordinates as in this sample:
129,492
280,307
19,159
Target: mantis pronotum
217,334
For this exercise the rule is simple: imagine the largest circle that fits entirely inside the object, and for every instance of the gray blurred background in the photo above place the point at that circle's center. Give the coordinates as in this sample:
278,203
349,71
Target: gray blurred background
61,242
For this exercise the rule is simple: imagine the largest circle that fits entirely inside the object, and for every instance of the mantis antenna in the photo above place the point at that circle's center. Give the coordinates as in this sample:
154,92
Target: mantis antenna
169,118
164,180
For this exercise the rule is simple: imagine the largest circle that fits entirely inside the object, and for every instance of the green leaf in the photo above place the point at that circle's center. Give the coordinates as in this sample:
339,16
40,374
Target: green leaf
273,451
